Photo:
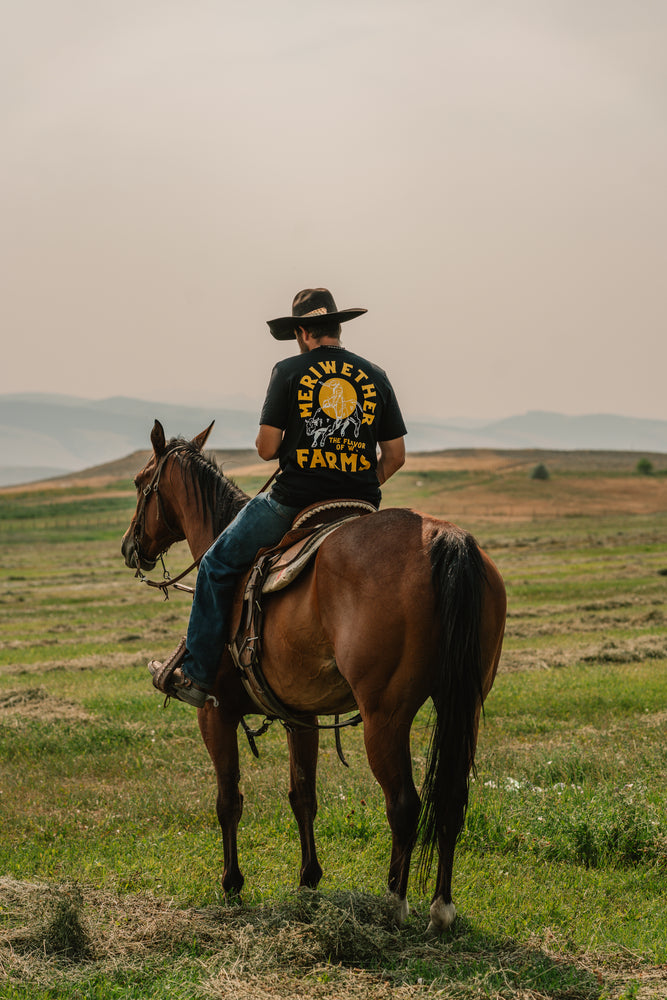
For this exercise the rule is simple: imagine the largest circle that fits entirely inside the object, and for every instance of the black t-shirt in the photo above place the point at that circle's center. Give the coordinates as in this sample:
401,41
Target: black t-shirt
334,407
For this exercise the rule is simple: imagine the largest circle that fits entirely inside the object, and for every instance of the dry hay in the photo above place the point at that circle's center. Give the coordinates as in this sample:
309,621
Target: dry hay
38,703
635,650
566,619
303,931
55,927
341,945
90,661
56,934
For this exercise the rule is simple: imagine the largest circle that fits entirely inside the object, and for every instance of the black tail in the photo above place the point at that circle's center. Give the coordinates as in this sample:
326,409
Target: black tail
458,578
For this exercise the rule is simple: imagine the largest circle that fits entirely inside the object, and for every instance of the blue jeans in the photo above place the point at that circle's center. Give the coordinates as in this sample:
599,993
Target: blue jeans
262,522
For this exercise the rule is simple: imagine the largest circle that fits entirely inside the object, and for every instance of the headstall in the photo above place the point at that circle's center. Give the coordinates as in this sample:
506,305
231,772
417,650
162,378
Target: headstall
153,488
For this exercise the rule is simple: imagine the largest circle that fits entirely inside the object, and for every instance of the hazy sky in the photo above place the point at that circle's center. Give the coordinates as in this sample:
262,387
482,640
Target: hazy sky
488,178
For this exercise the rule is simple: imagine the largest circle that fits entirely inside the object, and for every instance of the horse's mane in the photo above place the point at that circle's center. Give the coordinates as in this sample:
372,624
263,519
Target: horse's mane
218,497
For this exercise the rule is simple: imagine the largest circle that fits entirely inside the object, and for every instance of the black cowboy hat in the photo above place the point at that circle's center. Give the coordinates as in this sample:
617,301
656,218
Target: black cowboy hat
312,307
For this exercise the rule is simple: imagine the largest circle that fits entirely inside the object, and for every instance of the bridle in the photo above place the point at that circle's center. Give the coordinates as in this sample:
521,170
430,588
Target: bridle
140,524
153,489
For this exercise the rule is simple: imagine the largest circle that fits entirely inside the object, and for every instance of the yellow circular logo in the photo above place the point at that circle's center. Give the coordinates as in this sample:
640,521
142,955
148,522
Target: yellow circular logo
337,398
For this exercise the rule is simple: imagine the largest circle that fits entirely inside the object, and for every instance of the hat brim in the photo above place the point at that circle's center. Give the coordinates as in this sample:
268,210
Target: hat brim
284,328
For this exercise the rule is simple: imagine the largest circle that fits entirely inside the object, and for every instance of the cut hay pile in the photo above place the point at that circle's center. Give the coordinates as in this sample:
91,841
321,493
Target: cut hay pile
53,935
60,938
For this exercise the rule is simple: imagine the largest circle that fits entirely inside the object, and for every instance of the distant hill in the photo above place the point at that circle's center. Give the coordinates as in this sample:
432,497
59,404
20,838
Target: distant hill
44,435
540,429
50,435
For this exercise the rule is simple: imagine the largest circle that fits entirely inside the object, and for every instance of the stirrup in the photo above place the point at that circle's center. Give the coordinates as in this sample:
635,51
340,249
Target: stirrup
162,673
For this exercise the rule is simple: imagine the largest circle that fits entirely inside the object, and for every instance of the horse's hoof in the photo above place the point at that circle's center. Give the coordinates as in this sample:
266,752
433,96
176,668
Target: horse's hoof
442,917
232,899
399,908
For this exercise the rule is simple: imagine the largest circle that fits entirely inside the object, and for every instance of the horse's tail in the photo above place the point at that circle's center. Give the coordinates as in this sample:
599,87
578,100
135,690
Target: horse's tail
458,576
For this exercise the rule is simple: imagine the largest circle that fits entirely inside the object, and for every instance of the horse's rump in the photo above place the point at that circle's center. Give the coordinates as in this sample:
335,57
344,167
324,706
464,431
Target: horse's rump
365,606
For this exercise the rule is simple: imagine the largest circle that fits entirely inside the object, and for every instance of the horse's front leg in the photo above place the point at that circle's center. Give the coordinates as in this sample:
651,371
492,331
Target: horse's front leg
303,748
219,735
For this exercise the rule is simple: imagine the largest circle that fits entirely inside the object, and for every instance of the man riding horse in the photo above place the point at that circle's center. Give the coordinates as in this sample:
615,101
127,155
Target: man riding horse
323,378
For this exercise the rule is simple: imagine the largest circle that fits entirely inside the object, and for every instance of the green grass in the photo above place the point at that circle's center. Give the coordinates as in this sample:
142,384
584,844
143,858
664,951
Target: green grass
107,811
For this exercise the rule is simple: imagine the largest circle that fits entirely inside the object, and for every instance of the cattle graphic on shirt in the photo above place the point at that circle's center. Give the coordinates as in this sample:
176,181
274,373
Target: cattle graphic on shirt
338,410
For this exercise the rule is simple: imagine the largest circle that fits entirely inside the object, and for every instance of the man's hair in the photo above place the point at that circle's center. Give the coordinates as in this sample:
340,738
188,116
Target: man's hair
331,329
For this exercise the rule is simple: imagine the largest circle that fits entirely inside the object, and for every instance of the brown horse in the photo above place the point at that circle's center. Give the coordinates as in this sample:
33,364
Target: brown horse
398,607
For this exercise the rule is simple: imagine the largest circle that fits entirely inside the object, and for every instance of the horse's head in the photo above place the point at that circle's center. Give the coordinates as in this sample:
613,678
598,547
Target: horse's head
157,521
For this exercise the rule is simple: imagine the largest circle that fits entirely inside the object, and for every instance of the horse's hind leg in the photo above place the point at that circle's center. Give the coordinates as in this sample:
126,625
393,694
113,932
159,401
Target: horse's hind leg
452,805
220,738
443,911
303,748
451,815
391,763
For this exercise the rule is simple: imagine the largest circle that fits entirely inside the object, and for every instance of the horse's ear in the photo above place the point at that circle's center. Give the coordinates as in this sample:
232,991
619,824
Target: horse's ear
200,439
158,438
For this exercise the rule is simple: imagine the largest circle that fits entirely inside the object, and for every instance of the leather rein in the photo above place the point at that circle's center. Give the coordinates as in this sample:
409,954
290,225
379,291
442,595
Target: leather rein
153,488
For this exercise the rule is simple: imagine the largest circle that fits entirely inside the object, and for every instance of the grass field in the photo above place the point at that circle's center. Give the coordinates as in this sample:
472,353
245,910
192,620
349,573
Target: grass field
109,847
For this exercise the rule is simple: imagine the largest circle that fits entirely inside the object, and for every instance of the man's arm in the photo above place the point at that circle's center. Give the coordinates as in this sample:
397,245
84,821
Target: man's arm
392,457
268,442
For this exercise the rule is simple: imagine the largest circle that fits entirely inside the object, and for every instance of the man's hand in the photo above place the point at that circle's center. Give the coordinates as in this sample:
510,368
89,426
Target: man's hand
268,442
392,457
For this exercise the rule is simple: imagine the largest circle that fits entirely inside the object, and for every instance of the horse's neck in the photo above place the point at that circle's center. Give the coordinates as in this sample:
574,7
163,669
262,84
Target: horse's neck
201,529
199,538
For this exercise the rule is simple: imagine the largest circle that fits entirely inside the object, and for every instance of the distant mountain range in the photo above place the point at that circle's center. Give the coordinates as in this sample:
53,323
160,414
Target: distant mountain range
49,435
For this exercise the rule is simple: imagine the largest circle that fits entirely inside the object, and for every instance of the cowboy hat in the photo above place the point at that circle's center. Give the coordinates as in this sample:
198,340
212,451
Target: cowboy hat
312,307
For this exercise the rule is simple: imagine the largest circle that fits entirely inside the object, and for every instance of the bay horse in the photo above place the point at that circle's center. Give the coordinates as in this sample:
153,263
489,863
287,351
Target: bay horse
397,607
